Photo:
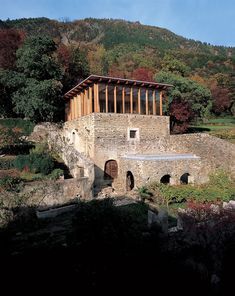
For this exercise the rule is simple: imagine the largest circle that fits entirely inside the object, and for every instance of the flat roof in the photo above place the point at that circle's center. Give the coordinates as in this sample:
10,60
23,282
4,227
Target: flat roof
161,156
106,79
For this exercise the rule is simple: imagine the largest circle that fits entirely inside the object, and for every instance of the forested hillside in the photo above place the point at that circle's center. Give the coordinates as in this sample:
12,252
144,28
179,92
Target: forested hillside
202,74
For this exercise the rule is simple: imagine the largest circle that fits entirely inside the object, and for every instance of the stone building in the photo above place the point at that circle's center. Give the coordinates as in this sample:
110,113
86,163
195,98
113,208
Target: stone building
119,126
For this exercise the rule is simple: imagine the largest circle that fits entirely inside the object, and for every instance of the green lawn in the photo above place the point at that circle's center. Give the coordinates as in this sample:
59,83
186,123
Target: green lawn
222,127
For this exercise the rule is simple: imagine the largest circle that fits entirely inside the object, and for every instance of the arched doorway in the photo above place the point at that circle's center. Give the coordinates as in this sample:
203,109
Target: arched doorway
110,169
165,179
130,183
184,178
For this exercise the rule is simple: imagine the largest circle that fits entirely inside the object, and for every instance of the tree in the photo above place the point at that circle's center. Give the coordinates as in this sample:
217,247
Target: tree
175,66
75,66
180,114
10,81
143,74
197,96
35,59
39,98
10,41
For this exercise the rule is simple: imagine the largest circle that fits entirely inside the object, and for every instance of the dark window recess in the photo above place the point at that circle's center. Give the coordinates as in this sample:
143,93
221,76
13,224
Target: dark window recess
133,134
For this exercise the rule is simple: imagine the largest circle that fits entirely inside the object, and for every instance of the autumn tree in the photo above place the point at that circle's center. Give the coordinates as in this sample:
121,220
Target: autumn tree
180,115
143,74
10,41
74,64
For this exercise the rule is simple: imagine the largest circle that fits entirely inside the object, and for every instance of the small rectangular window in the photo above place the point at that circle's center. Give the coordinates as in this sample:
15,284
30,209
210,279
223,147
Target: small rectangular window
133,134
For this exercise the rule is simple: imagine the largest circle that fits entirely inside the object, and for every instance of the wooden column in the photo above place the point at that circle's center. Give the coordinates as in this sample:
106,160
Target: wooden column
75,107
160,102
106,99
154,102
90,99
146,102
82,103
123,100
115,99
69,110
79,105
86,102
139,106
131,100
72,109
96,97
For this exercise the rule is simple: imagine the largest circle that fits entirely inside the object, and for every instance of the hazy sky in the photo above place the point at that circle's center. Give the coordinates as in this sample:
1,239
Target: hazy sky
212,21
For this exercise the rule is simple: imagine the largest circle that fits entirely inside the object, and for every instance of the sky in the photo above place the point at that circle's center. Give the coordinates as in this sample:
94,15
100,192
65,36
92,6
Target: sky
211,21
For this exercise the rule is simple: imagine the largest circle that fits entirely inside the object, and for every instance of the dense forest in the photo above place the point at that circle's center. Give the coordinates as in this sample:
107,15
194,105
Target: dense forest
40,59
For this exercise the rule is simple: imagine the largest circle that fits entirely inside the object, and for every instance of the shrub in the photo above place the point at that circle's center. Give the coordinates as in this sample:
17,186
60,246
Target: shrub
25,126
6,164
55,174
11,183
35,163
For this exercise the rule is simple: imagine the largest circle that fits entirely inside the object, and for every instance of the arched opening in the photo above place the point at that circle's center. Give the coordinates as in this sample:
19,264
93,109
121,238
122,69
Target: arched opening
130,183
184,178
165,179
110,170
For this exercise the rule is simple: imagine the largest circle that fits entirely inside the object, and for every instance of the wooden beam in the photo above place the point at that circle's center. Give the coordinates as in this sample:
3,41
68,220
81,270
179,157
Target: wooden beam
90,99
160,102
123,100
115,99
106,99
146,102
154,102
139,105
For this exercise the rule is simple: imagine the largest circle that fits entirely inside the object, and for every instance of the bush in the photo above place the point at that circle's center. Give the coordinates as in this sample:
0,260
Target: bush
11,183
26,126
55,174
35,163
6,164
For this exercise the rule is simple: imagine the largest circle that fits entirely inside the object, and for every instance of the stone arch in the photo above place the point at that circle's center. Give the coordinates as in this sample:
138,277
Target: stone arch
165,179
130,181
184,179
110,169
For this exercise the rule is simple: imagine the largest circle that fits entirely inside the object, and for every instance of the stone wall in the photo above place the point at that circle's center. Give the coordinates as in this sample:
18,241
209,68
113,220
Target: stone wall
78,164
152,171
214,152
52,193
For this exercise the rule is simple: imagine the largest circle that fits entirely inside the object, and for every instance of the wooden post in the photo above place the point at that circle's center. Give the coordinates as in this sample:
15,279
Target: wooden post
86,102
160,102
72,109
154,102
123,99
115,99
106,99
146,102
96,97
79,105
139,106
90,99
82,103
131,100
75,107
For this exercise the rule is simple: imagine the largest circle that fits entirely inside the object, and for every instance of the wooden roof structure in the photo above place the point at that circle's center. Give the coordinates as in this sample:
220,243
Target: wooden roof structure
113,80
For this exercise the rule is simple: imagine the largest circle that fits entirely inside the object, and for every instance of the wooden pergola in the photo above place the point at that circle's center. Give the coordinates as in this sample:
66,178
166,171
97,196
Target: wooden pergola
114,95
